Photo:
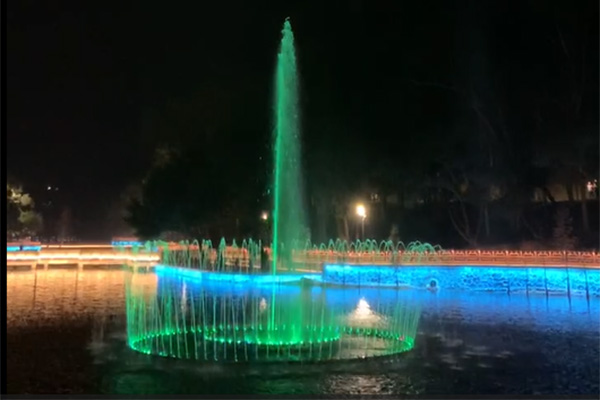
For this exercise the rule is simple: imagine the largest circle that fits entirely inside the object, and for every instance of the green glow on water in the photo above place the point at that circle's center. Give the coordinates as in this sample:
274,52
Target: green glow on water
288,207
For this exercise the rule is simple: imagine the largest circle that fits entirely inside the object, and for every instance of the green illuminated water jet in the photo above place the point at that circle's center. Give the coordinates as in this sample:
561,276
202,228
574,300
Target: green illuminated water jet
288,207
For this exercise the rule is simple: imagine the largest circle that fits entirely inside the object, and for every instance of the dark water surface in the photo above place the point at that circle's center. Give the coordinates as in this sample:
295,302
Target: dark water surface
66,334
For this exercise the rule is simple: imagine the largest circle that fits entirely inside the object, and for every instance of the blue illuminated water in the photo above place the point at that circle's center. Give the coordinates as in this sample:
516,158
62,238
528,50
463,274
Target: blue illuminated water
528,280
531,310
468,342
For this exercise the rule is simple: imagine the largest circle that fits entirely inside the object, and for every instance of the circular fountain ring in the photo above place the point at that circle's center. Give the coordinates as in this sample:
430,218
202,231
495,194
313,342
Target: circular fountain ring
191,344
175,316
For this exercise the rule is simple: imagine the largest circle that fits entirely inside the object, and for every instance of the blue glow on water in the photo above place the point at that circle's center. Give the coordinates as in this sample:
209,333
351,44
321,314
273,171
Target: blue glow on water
230,277
571,281
575,281
535,311
170,282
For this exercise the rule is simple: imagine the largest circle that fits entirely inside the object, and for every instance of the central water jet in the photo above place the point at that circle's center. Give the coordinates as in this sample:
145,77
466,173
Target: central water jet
288,205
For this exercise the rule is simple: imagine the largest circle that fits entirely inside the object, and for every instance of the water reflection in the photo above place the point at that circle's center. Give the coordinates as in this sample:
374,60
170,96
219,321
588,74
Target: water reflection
59,293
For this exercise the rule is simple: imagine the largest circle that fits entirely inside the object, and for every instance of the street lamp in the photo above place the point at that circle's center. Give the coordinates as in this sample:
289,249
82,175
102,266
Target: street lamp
361,211
264,216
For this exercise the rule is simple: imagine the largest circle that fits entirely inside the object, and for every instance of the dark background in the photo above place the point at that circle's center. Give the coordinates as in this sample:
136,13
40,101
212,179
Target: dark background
85,82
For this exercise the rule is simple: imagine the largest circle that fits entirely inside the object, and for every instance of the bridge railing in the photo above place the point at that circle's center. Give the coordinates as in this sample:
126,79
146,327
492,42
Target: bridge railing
456,258
242,258
72,254
198,256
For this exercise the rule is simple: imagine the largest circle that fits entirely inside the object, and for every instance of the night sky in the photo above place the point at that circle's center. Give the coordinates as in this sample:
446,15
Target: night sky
85,78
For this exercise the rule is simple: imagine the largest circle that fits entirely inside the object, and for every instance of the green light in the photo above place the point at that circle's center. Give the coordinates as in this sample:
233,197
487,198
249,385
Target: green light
305,327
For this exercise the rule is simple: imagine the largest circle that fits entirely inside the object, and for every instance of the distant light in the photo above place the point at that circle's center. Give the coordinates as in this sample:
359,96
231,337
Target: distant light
264,216
361,211
592,185
49,188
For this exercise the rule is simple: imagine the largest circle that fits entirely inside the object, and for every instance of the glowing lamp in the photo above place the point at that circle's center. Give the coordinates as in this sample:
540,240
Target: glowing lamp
361,211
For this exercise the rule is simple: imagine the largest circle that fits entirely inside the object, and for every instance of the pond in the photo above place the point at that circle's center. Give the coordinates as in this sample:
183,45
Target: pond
67,333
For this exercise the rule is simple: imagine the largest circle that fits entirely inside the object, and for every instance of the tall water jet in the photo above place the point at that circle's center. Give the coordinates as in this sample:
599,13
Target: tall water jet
288,205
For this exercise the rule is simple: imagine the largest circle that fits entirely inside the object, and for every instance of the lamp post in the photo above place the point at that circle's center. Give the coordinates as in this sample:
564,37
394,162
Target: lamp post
264,227
361,211
264,263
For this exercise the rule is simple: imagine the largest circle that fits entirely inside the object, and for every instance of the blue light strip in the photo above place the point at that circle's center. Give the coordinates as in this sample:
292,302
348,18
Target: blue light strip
23,248
119,243
493,279
32,248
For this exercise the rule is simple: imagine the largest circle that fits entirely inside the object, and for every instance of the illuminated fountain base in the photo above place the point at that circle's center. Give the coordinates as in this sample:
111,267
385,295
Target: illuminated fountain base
183,318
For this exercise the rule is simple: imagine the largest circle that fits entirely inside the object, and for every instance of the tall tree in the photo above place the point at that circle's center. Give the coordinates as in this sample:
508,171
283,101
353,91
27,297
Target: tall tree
579,156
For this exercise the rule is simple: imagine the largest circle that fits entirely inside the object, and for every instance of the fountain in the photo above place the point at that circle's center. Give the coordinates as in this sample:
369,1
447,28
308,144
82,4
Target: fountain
181,317
216,304
246,257
288,208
